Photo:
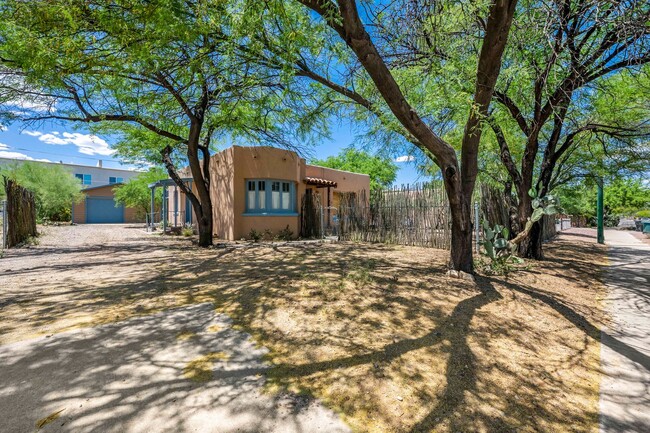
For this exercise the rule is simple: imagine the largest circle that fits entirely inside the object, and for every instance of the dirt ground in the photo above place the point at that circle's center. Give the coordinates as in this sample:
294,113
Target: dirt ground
377,332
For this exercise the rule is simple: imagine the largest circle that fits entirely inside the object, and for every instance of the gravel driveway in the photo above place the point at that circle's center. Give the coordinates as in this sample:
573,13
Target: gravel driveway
180,370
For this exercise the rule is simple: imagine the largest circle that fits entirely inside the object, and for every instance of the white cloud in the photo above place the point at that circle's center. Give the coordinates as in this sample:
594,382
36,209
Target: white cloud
88,144
405,158
18,155
3,146
3,128
52,139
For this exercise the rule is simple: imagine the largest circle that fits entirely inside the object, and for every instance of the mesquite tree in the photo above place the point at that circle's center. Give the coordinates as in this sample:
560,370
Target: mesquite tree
160,75
572,65
386,98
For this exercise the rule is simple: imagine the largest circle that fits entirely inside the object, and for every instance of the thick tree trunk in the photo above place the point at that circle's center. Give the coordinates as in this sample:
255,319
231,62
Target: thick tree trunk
201,201
461,257
461,238
201,175
204,223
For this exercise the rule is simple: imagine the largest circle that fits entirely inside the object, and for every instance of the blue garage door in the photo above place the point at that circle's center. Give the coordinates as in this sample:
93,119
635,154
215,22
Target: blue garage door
102,210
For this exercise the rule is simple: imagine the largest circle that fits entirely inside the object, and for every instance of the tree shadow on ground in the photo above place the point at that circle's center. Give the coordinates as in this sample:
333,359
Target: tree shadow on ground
355,324
133,376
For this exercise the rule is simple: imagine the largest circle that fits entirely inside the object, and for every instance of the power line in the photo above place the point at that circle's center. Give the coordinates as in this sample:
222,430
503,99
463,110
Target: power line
59,155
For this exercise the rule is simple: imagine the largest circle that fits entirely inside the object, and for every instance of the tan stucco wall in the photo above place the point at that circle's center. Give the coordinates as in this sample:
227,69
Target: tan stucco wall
264,163
131,215
222,167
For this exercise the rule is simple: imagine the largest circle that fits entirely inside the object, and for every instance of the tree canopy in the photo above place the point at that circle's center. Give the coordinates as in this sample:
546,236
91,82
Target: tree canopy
135,192
622,197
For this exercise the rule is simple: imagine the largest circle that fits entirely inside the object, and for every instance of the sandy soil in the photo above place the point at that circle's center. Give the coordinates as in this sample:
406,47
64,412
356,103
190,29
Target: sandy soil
377,332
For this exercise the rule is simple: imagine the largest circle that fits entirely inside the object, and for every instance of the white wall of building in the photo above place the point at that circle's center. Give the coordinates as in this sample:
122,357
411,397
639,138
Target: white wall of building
98,175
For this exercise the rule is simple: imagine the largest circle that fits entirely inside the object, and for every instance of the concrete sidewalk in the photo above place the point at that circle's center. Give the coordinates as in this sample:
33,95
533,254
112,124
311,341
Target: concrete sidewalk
183,370
625,346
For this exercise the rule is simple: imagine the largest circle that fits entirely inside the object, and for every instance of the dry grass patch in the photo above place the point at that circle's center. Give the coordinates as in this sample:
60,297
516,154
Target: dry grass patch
200,369
379,333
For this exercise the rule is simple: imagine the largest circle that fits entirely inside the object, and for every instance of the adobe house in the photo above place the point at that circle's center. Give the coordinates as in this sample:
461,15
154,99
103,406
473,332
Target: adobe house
262,188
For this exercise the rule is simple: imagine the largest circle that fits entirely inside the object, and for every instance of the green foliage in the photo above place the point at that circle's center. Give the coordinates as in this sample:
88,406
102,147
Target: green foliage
54,187
144,70
382,170
135,192
255,236
495,241
622,197
187,230
626,196
286,234
643,213
498,250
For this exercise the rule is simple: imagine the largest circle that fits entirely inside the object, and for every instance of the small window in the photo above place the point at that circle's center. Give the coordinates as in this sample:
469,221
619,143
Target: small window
250,195
112,180
120,180
286,195
84,178
275,195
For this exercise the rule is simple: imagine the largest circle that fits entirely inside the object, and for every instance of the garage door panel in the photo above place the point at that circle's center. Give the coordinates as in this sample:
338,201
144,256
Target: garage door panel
102,210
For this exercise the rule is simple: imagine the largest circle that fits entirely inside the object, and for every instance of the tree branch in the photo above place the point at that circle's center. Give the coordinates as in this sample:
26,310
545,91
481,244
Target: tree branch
514,110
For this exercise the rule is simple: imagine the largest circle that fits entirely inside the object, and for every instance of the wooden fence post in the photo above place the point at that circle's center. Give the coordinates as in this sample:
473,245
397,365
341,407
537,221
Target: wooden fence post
21,213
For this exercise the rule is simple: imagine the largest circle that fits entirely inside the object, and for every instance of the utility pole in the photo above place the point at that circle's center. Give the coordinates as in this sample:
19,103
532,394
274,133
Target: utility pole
599,211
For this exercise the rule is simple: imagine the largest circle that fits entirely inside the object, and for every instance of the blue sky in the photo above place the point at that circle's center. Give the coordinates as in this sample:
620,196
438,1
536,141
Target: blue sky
61,142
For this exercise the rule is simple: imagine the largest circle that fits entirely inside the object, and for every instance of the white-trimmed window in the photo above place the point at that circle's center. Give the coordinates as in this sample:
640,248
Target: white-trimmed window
112,179
269,196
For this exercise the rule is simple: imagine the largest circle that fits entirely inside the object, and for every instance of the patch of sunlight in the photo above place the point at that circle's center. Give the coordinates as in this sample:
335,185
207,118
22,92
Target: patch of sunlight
186,335
200,369
48,419
215,328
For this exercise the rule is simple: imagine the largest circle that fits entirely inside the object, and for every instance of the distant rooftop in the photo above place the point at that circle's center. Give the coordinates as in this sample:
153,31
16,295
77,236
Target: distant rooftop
99,164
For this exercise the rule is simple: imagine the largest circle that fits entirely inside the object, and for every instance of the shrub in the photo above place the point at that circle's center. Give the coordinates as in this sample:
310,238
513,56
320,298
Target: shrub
136,193
54,188
285,234
187,231
254,235
643,213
